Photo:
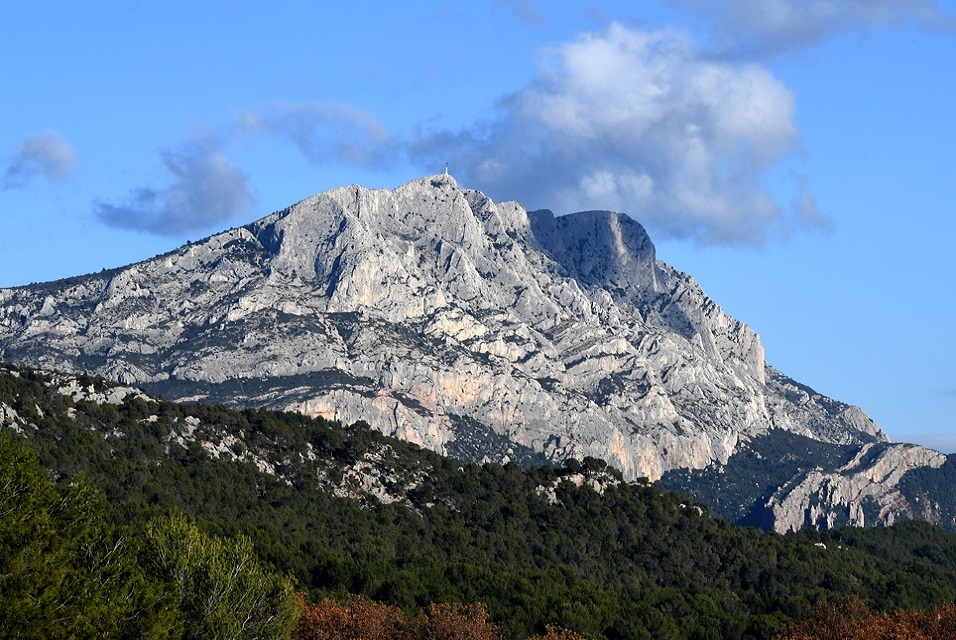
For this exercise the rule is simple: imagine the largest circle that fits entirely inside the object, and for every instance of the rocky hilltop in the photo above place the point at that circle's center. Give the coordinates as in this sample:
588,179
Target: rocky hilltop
784,481
865,491
474,328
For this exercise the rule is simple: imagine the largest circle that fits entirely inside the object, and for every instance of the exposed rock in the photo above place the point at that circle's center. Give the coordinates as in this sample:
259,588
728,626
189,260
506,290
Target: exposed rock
10,418
375,475
598,482
70,386
863,492
438,316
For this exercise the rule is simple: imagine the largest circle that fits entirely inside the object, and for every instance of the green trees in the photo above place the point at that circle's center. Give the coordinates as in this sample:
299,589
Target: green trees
607,559
224,592
65,572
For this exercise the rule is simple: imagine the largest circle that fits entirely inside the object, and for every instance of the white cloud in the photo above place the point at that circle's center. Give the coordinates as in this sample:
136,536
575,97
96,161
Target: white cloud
205,189
641,122
46,154
772,25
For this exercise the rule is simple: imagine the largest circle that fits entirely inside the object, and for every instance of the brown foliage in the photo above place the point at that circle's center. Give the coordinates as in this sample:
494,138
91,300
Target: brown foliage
852,619
359,619
557,633
457,622
940,621
354,619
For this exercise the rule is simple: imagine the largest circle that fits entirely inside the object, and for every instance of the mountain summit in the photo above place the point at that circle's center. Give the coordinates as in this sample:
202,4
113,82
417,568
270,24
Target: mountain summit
474,328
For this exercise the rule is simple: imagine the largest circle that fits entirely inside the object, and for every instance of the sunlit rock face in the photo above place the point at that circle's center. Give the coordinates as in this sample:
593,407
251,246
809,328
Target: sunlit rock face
864,492
474,328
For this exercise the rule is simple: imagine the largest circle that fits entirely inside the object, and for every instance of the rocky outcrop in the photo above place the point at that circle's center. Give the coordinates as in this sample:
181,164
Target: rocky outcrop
377,473
444,318
864,492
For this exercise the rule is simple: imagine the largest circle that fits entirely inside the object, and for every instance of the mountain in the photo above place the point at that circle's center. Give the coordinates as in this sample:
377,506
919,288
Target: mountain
343,508
474,328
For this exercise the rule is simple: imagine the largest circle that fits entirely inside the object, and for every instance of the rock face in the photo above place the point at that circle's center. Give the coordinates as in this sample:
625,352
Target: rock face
474,328
863,492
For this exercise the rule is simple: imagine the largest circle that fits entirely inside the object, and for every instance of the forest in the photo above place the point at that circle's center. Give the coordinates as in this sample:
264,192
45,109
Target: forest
262,524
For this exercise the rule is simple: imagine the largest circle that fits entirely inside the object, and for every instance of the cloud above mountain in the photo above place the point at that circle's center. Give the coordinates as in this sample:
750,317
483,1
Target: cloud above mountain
205,189
42,155
324,132
693,139
641,122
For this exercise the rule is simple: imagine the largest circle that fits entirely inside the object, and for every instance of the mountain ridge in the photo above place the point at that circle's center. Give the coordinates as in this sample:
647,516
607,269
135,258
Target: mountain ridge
435,314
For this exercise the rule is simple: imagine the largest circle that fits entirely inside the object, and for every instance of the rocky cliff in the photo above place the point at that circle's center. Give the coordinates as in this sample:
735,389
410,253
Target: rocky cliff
785,481
865,491
474,328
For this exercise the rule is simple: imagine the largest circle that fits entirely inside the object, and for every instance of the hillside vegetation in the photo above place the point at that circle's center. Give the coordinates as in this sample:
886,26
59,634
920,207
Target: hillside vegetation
341,509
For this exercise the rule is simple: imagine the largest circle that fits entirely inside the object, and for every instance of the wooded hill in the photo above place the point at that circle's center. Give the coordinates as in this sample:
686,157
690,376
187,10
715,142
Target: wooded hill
346,510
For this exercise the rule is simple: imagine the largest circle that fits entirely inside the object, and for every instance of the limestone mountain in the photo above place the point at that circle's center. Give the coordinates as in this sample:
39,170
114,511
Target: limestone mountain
477,329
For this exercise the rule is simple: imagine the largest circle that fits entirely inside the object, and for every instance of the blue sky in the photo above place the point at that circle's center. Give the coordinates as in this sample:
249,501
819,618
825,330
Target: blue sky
795,157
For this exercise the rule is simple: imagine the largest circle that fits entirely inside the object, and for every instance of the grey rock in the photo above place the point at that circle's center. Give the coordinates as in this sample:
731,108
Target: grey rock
864,492
439,316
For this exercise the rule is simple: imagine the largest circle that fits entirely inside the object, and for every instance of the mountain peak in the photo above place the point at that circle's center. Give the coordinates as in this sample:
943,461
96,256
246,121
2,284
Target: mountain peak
601,248
438,315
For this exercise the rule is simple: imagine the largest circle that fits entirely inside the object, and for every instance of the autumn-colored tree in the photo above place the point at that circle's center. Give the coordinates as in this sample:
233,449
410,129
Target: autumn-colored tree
830,621
851,619
557,633
359,619
453,621
940,621
354,619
